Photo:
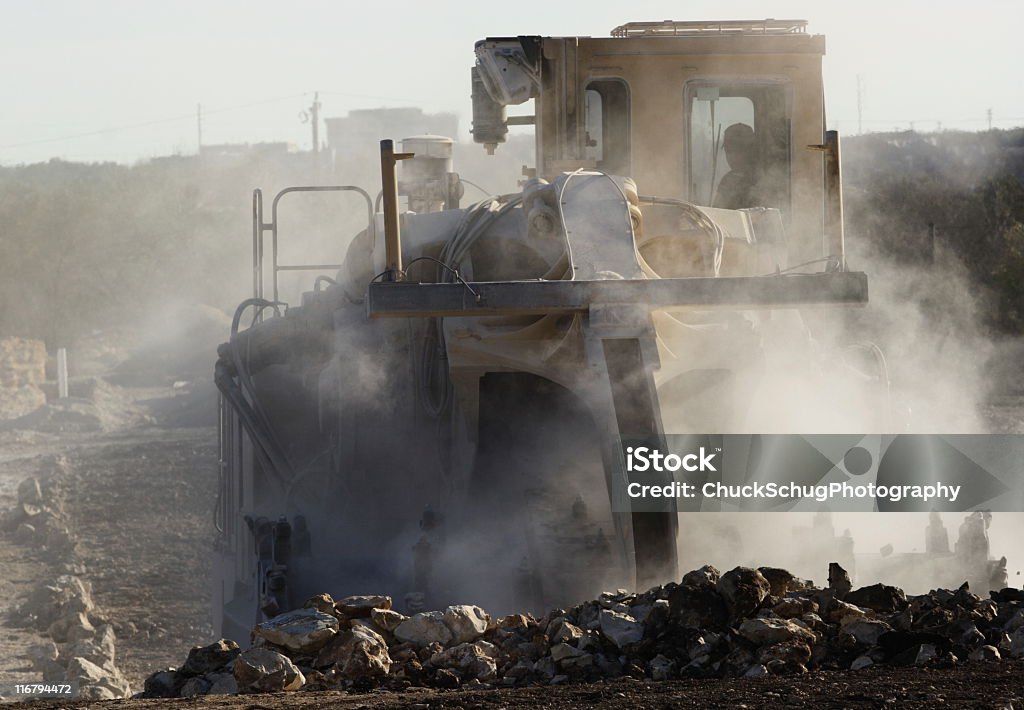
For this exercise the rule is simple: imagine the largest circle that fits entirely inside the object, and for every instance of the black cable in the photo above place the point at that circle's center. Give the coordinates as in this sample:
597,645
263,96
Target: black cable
260,303
320,279
473,184
453,271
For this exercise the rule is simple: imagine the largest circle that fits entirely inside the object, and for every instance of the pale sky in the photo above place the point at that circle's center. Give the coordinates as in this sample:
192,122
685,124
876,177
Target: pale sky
130,72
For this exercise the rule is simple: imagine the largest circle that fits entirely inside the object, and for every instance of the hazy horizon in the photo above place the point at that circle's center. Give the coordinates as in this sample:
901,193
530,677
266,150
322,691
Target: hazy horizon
119,81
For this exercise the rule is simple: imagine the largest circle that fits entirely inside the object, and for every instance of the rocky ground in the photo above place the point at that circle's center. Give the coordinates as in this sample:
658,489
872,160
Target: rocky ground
122,513
989,686
124,536
744,625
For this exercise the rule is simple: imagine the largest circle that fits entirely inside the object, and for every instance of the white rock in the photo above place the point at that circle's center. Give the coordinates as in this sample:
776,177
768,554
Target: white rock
765,631
260,670
843,613
466,622
984,653
87,649
866,631
423,629
621,629
861,662
387,619
756,671
87,673
303,630
475,660
357,653
561,631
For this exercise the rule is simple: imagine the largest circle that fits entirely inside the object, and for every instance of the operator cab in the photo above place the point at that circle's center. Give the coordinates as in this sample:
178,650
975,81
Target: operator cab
718,114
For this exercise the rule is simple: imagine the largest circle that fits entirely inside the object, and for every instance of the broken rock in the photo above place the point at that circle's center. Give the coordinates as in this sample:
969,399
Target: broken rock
781,581
795,652
878,597
839,580
194,687
984,653
357,653
698,607
771,631
466,622
222,684
424,629
360,606
210,659
102,683
387,619
260,670
163,684
861,662
660,667
708,574
472,660
561,631
304,630
621,629
743,589
866,631
70,628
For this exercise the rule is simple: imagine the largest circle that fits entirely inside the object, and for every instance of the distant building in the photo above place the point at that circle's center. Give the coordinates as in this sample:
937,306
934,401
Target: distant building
235,152
362,129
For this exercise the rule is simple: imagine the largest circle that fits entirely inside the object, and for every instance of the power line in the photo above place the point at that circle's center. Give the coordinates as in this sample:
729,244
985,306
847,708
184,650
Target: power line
144,124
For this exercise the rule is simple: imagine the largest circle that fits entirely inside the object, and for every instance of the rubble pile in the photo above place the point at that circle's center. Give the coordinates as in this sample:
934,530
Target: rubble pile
81,645
38,519
93,405
81,648
744,623
22,371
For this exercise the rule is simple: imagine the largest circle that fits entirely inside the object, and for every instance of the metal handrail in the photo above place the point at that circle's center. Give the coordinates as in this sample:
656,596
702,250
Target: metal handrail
259,228
670,28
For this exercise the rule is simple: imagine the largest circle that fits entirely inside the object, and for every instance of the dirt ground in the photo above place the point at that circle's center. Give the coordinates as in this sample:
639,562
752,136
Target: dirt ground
997,686
139,502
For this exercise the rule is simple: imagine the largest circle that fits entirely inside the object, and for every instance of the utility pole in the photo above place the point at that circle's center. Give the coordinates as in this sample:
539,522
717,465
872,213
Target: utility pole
314,112
860,106
199,128
989,114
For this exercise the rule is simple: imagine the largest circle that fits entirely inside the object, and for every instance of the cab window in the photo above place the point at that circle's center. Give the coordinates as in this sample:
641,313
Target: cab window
738,144
606,122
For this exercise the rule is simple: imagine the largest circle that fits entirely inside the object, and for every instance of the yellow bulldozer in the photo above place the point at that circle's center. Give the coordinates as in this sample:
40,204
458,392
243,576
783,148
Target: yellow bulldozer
442,417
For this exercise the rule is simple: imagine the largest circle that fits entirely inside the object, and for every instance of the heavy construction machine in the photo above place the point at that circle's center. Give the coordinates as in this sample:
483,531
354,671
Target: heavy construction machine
442,417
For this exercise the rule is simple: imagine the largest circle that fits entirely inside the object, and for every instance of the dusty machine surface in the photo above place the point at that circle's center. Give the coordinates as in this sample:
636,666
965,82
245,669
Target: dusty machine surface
441,417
